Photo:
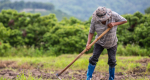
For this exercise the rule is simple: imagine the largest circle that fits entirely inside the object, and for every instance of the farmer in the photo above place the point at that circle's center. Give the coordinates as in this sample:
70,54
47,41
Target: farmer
102,19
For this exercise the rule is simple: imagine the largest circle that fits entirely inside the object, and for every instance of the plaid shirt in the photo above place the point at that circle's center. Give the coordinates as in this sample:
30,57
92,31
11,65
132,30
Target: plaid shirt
109,39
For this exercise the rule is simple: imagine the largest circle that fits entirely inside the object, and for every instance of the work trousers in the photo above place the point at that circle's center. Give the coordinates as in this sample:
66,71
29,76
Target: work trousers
98,50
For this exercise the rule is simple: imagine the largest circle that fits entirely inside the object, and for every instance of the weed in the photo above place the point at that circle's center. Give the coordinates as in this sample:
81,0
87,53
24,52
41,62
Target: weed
148,67
53,63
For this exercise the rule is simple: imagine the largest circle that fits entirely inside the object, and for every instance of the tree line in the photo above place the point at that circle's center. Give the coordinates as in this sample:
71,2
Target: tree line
65,36
19,5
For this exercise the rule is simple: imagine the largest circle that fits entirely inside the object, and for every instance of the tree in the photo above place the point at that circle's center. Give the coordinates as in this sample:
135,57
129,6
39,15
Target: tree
147,11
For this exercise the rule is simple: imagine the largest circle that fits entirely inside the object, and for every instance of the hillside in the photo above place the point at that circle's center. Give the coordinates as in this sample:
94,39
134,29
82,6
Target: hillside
33,7
83,9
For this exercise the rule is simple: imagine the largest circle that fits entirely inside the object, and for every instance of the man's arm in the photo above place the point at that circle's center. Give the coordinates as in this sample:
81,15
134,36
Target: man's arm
90,36
110,25
91,33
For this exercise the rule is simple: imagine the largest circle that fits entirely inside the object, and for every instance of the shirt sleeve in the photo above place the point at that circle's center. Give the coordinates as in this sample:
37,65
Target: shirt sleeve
119,18
92,27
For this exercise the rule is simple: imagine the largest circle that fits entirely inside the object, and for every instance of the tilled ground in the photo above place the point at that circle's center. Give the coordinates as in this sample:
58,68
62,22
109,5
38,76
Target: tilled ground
9,70
67,75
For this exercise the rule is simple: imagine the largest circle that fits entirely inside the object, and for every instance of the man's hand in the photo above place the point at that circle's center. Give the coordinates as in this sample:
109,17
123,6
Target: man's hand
110,25
87,47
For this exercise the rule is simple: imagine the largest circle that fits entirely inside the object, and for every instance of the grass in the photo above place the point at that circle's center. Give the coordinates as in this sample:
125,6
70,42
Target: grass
60,62
148,67
124,63
23,77
32,51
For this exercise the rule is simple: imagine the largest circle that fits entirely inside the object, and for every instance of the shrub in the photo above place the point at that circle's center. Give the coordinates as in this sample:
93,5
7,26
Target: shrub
132,50
66,39
4,47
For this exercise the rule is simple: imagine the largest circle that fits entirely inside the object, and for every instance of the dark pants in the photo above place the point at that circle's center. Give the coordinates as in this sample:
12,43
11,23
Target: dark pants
98,50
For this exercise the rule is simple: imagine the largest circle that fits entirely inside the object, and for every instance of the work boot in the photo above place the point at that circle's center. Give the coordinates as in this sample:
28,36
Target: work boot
90,71
111,73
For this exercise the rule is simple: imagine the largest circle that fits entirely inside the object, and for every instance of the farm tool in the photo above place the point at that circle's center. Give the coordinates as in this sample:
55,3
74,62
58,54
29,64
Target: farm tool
58,74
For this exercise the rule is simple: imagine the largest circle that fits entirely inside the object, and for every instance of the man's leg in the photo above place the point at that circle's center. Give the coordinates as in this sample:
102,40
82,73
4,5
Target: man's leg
93,60
112,61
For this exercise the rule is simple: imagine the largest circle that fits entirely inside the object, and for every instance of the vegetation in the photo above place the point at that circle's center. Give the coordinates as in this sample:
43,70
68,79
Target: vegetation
22,31
58,63
21,5
124,65
83,9
42,42
67,36
147,10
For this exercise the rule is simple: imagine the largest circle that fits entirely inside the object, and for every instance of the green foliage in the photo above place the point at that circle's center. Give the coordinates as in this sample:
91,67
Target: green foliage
30,77
132,50
148,67
26,29
36,30
124,36
15,38
143,34
24,51
51,37
140,34
4,47
138,14
4,32
66,39
147,10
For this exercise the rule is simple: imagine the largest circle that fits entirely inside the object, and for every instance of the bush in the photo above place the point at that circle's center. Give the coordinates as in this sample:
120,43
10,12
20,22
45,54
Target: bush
147,10
69,35
4,47
132,50
66,39
142,34
4,32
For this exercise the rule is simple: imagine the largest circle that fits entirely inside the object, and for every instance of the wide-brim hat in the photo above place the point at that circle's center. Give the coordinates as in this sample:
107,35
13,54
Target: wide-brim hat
102,14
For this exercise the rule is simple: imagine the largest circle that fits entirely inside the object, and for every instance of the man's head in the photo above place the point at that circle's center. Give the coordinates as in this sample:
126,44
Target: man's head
102,14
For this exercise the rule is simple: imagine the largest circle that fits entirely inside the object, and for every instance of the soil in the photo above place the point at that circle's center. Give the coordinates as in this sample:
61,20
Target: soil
10,70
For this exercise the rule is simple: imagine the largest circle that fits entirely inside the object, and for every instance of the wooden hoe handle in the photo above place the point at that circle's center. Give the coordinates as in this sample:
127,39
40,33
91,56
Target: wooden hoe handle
58,74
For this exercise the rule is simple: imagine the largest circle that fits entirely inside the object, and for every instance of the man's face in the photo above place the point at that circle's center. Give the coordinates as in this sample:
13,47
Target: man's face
103,21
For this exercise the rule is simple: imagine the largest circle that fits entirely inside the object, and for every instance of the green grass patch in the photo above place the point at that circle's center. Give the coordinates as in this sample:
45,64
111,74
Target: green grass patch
124,64
58,63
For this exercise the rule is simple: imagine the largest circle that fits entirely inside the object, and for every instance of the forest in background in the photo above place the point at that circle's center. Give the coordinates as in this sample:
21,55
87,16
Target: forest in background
83,9
33,7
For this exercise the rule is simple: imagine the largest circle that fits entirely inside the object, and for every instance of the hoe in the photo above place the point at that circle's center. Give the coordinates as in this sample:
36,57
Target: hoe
58,74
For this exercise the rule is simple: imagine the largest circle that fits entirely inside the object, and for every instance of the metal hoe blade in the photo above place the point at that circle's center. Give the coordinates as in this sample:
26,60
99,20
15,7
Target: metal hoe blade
58,77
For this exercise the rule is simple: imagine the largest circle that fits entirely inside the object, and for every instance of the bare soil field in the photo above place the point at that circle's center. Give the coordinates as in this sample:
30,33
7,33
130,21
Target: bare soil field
10,70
